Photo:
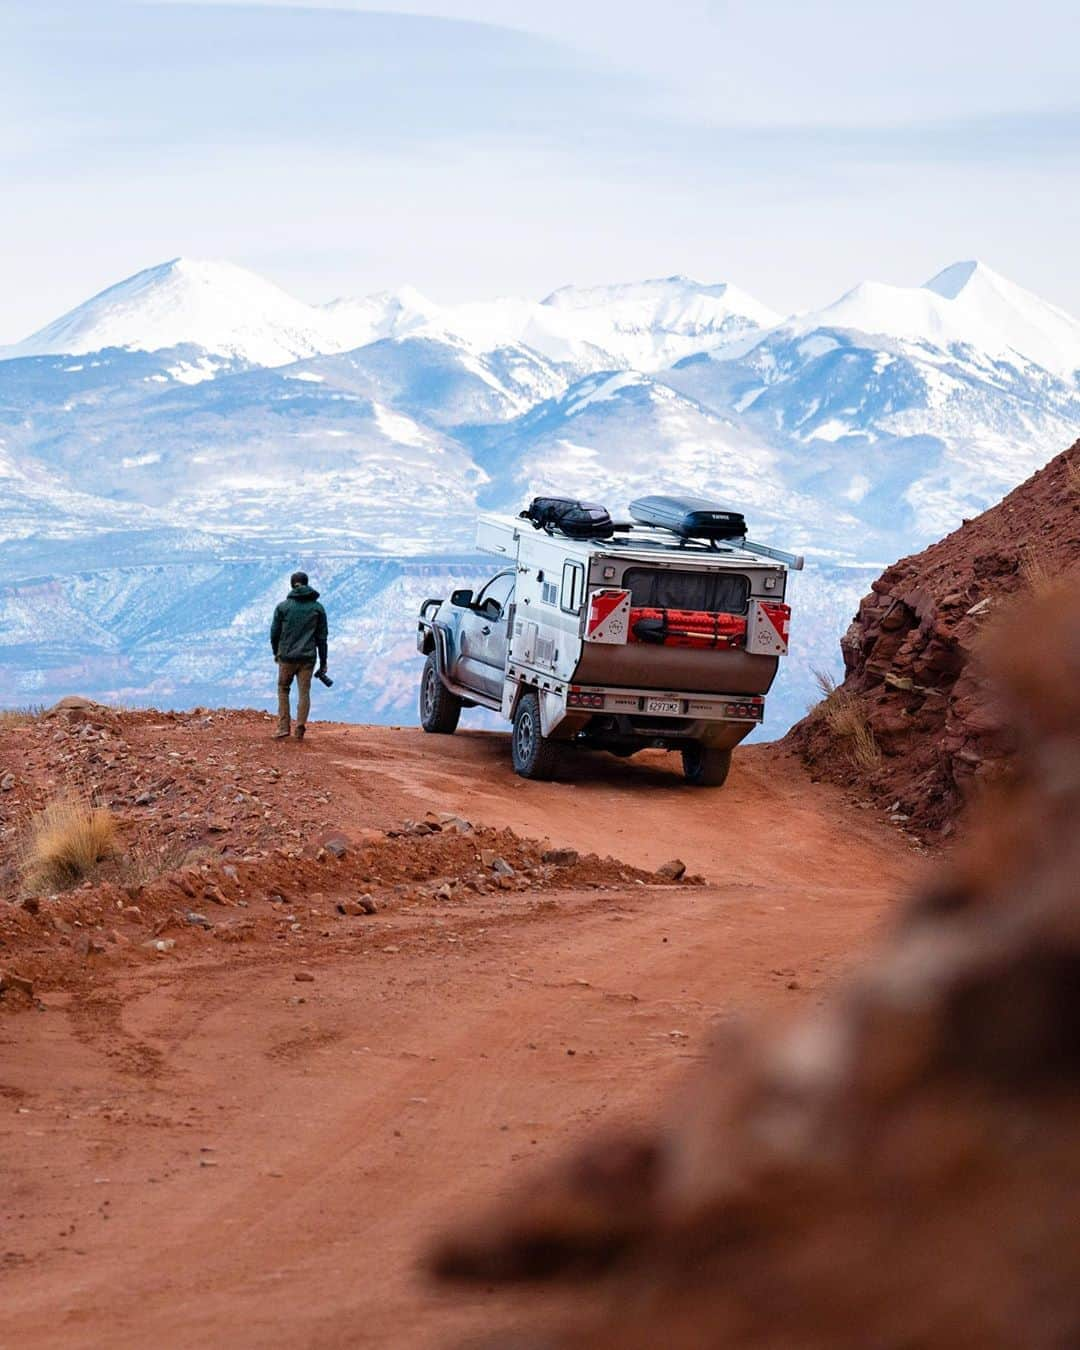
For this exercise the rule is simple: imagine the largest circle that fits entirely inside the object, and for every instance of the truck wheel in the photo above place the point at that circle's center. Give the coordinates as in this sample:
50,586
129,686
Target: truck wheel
534,756
439,708
704,766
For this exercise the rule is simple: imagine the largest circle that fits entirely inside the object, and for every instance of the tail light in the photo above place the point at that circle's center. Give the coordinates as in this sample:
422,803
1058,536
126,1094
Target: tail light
580,698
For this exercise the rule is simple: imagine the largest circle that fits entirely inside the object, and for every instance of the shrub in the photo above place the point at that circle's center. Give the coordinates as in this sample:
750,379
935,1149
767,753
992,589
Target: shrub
846,719
65,843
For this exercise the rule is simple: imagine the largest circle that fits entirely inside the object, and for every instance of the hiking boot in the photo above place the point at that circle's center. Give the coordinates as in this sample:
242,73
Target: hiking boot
281,735
299,733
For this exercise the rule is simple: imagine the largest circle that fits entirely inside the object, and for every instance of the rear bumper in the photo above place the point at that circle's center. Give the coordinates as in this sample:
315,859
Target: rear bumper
633,719
652,709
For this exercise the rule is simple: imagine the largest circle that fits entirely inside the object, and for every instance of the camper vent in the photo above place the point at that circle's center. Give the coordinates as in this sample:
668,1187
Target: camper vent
545,651
549,593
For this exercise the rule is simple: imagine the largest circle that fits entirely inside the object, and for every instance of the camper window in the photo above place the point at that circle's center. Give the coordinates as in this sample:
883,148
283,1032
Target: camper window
573,587
714,592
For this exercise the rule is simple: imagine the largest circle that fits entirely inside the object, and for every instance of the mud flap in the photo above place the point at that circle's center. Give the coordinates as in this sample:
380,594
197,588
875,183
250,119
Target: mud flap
552,710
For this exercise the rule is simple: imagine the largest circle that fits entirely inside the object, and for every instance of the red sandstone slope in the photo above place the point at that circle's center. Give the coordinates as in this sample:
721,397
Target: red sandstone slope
911,678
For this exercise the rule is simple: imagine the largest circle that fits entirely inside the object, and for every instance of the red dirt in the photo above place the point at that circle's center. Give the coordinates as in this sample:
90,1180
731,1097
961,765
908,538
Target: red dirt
911,653
197,1148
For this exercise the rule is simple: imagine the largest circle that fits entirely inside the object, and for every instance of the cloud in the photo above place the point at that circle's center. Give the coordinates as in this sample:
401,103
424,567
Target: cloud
347,151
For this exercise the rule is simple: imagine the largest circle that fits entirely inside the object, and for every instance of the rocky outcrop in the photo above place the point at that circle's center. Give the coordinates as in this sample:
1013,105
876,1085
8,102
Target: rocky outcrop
901,1169
911,655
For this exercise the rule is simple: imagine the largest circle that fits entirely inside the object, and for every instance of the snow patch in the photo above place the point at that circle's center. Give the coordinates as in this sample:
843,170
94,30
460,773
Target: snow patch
603,392
831,430
399,428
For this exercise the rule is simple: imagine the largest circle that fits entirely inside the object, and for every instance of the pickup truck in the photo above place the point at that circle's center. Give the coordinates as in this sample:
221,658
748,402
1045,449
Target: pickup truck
644,638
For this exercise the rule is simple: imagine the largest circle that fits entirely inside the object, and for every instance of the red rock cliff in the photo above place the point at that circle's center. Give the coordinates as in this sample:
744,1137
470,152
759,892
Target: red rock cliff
911,653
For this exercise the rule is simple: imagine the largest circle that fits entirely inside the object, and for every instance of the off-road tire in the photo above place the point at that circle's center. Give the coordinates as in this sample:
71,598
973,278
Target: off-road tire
704,766
439,708
533,755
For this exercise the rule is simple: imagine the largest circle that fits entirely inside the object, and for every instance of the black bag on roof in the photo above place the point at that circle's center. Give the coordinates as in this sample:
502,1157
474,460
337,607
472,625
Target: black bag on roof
689,517
577,520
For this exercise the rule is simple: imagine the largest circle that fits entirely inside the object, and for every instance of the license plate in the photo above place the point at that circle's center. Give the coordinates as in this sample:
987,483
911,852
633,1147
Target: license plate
663,705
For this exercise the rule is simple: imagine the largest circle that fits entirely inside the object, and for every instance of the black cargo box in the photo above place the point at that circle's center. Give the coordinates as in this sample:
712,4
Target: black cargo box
689,517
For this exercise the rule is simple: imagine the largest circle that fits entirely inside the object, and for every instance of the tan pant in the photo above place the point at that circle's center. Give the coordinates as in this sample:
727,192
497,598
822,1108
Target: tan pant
302,672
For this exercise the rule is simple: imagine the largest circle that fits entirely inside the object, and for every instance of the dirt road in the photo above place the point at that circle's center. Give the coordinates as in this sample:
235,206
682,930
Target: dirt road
206,1152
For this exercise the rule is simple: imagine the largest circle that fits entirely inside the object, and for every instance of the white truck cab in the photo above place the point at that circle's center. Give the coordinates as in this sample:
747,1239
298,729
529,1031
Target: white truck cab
642,636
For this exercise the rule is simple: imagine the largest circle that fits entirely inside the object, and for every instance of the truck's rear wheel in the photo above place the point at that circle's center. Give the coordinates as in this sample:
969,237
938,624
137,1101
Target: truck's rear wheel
705,766
439,708
534,756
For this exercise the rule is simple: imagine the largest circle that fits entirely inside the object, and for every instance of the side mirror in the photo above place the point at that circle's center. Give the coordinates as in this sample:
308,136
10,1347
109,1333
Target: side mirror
461,599
491,609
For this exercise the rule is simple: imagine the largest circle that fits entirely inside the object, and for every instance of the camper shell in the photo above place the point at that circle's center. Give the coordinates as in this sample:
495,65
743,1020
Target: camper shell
644,638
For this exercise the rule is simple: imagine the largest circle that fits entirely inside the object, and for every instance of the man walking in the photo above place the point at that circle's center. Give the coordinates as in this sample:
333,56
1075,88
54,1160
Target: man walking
297,634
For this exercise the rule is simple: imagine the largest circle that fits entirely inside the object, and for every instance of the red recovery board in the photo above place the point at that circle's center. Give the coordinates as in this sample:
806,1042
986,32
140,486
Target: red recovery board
700,628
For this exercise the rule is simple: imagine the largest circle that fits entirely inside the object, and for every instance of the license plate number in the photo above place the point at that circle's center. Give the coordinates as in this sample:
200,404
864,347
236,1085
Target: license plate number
663,705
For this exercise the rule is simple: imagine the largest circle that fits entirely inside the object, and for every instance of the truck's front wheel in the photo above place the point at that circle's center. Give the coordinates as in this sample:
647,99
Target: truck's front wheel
705,766
534,756
439,708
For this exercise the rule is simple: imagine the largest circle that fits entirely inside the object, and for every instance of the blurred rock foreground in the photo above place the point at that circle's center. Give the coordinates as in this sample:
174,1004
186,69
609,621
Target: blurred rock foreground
901,1169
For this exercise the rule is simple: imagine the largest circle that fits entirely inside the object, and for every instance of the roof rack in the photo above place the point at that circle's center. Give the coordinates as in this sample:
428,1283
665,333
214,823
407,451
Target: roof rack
660,537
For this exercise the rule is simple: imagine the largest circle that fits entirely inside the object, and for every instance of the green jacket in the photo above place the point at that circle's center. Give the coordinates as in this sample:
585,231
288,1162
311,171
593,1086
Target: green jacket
298,630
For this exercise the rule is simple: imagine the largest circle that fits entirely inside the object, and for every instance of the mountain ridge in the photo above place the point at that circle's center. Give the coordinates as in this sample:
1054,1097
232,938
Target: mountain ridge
848,446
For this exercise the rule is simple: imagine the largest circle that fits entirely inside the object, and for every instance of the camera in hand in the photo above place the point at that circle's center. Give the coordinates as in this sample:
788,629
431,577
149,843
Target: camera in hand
322,676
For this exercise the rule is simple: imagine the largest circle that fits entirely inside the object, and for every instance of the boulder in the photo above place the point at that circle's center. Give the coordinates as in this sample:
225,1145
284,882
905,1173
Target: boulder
674,870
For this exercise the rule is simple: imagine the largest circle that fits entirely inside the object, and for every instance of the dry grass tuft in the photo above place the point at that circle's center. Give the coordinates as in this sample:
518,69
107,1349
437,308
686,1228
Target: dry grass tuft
19,717
142,865
1035,572
65,842
846,719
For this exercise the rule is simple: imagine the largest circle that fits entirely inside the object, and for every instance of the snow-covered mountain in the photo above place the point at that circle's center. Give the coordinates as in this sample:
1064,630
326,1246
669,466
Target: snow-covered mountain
967,307
233,313
195,429
650,325
908,407
216,306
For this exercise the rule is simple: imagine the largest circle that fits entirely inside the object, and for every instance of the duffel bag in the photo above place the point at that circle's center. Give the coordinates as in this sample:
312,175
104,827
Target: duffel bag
577,520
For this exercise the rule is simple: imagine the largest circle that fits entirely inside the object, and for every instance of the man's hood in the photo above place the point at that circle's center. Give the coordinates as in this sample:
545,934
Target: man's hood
303,593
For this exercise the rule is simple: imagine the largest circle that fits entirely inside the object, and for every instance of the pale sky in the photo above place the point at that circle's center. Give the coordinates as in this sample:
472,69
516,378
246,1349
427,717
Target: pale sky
475,148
